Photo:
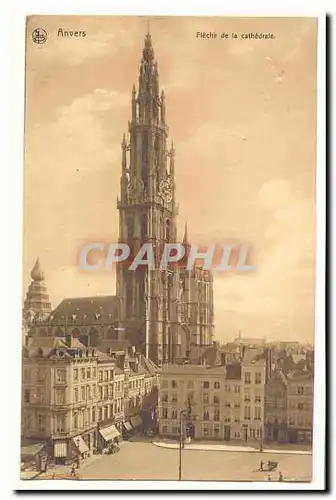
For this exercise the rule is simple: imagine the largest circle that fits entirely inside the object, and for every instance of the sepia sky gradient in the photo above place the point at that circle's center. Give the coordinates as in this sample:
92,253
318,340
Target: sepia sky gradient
242,115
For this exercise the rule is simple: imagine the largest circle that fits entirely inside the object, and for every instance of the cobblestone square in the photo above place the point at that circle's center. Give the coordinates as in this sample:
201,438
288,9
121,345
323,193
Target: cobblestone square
144,461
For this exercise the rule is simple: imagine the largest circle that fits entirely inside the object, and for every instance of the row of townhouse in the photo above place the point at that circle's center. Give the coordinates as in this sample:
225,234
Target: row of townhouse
289,401
214,402
76,399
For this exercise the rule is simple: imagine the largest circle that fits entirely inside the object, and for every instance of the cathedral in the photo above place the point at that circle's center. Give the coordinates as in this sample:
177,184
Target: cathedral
167,315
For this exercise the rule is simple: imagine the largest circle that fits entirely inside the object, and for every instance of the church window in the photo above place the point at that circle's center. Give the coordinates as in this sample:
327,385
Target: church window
144,171
130,228
143,227
168,235
129,298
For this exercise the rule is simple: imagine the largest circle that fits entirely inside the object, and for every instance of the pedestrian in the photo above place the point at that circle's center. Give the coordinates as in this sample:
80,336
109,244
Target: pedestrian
280,476
269,477
73,470
262,465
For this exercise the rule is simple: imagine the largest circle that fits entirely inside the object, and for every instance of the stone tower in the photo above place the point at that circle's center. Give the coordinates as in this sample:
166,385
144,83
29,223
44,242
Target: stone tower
37,305
37,298
147,210
152,309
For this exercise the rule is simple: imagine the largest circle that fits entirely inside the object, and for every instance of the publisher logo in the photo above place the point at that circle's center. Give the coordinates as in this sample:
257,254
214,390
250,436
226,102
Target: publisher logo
39,36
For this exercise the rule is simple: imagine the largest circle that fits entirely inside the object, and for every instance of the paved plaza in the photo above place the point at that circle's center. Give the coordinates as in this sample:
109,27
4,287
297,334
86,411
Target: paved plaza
143,460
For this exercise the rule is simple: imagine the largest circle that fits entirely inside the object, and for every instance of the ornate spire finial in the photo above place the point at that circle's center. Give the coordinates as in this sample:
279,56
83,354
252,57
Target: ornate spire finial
36,273
185,237
133,90
148,52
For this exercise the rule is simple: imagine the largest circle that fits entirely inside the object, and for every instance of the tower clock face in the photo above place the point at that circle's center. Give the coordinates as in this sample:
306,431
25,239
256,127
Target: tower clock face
165,191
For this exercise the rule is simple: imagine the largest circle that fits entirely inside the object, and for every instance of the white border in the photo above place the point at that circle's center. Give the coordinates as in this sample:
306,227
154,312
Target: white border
14,34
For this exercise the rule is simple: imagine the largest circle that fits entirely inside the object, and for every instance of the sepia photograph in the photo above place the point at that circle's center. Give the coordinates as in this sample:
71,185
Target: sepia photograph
169,249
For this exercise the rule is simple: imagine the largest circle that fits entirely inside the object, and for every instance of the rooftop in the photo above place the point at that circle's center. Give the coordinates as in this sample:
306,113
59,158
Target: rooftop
87,308
253,356
193,370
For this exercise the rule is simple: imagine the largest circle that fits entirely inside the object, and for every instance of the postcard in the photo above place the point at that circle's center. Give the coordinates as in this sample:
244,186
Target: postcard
168,310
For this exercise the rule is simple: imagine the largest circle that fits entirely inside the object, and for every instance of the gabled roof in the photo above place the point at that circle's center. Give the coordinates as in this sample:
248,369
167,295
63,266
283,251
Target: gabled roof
193,370
45,346
104,358
254,356
87,308
149,366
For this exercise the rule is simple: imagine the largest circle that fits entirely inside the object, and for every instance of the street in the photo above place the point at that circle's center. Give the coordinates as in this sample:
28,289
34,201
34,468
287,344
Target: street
143,460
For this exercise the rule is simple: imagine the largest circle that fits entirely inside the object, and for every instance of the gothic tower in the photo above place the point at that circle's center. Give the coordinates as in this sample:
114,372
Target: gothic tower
147,212
165,314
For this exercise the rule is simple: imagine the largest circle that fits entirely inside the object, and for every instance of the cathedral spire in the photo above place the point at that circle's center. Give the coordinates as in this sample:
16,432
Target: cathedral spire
36,273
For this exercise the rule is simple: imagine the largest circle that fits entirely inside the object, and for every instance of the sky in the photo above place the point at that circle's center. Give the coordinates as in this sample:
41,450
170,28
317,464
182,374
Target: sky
242,115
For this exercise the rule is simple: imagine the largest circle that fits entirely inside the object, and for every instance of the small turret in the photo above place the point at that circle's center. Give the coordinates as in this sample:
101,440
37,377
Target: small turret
185,237
36,273
163,108
134,110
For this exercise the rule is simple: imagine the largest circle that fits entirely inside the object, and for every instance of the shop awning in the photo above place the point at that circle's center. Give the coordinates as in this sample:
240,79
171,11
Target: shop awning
31,450
81,444
128,426
109,433
60,449
136,421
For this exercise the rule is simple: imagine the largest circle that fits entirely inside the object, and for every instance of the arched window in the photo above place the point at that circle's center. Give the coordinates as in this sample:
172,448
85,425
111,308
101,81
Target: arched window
75,333
94,336
144,230
168,230
129,299
130,228
144,170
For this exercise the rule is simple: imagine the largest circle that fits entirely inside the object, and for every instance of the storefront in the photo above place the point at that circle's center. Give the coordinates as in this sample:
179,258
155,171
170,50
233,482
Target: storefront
109,435
60,451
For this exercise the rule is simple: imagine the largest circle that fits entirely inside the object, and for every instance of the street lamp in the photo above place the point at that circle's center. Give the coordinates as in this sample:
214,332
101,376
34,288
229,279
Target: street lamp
261,438
182,412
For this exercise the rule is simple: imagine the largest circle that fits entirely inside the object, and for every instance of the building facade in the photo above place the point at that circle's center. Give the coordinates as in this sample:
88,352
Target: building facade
220,402
300,400
276,408
77,399
59,396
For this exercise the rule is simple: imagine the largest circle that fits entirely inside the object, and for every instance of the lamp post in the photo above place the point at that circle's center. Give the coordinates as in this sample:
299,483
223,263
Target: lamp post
182,412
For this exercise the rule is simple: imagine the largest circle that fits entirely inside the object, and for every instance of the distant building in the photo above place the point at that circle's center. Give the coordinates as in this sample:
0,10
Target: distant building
300,400
222,402
276,408
253,380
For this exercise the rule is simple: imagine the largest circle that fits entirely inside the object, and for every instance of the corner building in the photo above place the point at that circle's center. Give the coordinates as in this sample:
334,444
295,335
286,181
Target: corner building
165,313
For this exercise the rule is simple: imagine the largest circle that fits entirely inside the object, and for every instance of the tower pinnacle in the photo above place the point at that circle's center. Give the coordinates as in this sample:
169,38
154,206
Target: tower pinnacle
36,273
185,237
